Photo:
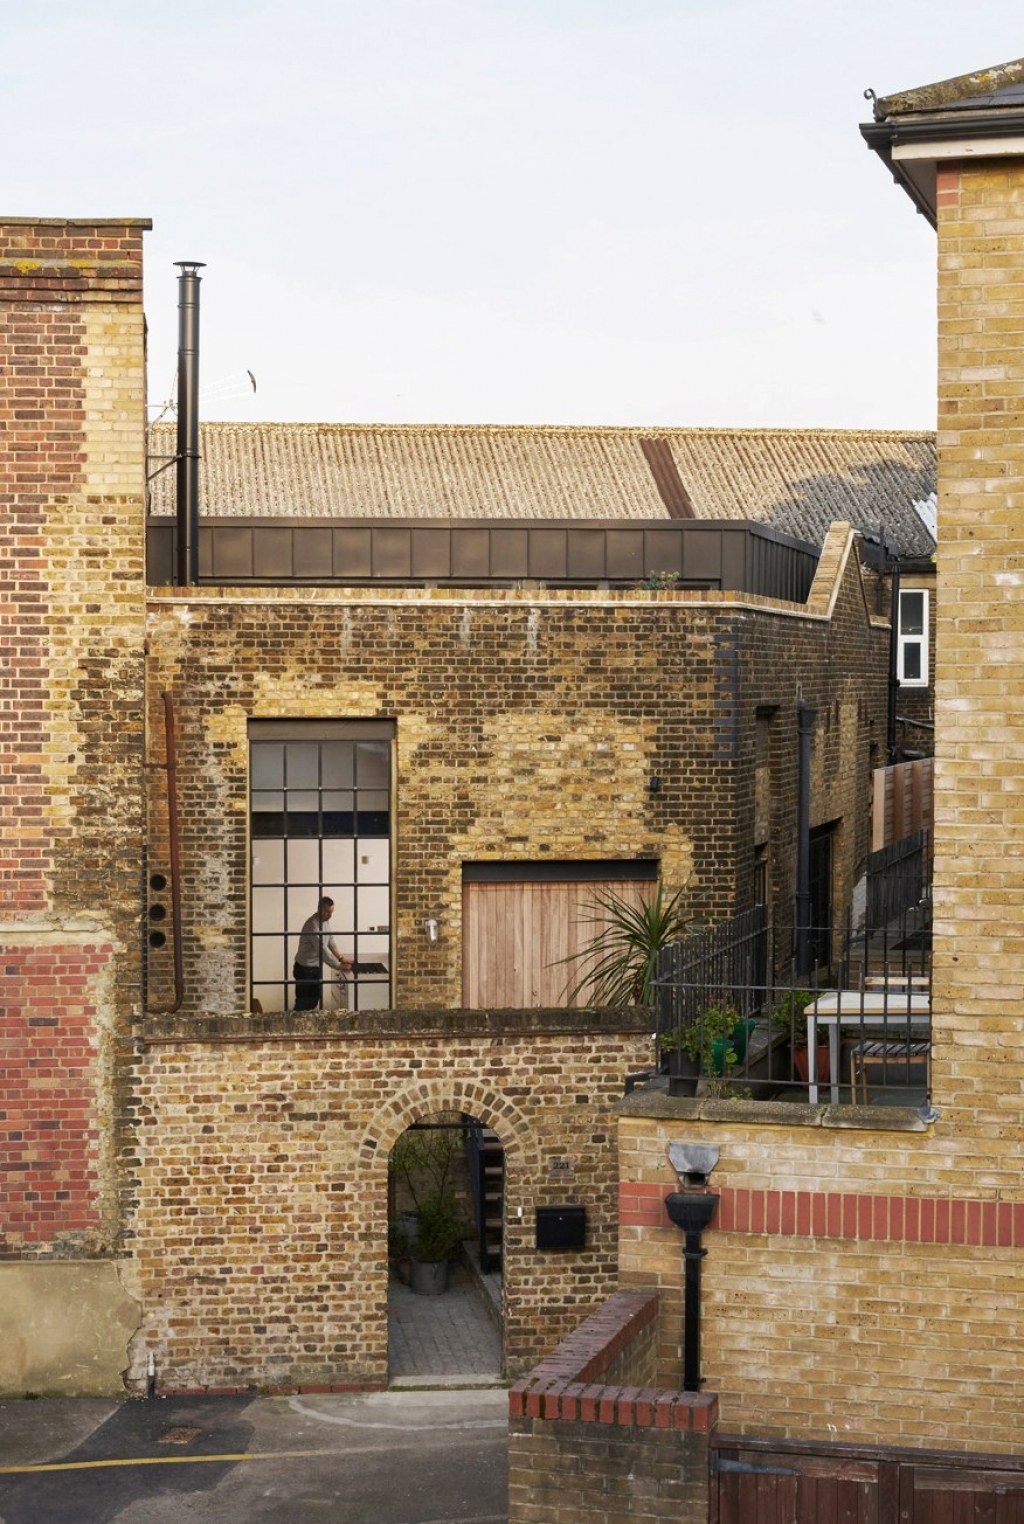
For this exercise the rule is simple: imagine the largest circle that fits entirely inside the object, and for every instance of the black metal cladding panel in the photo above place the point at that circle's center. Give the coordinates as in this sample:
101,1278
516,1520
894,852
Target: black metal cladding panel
586,557
734,560
431,553
702,555
392,552
510,553
353,553
547,555
312,552
625,555
663,551
471,553
233,552
271,554
737,556
160,554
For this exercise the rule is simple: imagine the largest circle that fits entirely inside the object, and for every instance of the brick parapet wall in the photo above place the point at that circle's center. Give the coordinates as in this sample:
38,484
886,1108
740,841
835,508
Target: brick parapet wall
71,733
590,1433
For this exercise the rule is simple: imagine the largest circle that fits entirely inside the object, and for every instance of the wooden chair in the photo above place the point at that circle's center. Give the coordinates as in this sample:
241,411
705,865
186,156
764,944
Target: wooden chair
879,1051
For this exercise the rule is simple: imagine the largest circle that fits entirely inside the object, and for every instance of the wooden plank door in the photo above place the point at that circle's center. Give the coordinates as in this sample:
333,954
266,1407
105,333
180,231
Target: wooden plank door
516,934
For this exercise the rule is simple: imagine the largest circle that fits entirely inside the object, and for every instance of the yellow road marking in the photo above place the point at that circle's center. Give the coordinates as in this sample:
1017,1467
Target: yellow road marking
162,1460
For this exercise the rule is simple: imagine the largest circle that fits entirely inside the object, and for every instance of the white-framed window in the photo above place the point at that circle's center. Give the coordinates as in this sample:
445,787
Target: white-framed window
912,638
320,826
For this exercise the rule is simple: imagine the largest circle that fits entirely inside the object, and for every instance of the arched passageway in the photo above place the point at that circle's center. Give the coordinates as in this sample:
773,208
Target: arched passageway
446,1175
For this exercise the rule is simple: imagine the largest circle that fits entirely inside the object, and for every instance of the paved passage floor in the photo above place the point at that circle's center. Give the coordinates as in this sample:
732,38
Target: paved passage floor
446,1340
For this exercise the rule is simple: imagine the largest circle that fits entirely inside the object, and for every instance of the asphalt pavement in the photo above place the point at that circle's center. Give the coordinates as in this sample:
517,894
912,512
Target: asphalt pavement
396,1457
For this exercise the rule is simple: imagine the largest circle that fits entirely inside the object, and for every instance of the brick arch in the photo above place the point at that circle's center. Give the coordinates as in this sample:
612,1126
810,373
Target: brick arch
481,1101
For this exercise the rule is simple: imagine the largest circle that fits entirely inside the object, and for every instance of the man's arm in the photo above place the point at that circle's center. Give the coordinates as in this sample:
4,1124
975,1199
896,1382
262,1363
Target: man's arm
334,955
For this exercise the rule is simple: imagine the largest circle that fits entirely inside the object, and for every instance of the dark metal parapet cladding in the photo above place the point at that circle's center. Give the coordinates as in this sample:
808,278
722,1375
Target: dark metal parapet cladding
694,553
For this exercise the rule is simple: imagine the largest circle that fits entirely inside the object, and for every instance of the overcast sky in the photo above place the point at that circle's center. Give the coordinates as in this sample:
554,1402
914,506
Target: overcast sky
508,211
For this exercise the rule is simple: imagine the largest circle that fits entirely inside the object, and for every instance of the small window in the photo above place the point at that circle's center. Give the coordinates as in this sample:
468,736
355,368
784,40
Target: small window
912,639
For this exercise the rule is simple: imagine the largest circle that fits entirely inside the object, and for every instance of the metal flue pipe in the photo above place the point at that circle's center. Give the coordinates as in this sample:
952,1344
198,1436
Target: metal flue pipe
187,454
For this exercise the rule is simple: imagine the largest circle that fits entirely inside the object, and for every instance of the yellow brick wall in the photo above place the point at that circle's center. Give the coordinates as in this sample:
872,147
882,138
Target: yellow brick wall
838,1334
979,801
838,1330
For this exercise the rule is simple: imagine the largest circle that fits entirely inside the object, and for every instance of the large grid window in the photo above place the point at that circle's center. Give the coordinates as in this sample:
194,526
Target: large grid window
320,826
912,643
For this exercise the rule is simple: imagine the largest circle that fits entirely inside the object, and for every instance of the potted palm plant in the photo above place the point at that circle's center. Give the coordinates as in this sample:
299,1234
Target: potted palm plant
617,965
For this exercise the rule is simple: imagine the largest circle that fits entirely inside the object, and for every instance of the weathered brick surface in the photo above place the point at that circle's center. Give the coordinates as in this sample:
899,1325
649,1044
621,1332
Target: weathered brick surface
71,756
259,1244
528,726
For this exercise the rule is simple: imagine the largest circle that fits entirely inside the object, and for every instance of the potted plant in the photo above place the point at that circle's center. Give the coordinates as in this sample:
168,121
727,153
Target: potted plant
422,1162
789,1015
440,1229
707,1046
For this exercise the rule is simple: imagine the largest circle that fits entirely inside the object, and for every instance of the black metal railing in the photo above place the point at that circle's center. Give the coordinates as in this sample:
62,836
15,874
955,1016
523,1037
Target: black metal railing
732,1018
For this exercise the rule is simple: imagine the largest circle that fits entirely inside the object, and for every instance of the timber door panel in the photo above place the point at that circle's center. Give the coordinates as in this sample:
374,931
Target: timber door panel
755,1483
762,1487
515,934
937,1495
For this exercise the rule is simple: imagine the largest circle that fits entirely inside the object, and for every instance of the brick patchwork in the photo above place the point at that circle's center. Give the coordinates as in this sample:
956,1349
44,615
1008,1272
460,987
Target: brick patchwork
51,1127
71,757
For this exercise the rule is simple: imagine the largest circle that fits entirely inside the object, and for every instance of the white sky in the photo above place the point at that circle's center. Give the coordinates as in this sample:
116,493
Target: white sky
508,211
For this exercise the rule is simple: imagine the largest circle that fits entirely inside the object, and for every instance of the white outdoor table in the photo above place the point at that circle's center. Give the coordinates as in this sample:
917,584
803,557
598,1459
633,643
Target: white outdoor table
893,1009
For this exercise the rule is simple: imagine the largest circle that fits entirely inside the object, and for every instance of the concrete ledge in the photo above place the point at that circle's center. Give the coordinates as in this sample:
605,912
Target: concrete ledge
64,1328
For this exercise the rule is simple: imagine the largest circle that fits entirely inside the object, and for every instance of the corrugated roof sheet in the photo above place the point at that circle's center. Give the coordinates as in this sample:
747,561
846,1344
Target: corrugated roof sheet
795,480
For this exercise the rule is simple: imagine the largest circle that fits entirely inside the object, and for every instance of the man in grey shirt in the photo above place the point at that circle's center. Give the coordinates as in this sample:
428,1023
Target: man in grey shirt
316,947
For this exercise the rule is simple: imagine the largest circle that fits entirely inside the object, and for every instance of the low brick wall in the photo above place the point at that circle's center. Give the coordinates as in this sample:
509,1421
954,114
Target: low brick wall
590,1436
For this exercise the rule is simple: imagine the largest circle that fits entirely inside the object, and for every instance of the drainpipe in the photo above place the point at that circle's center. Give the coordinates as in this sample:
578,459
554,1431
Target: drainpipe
187,474
894,622
805,725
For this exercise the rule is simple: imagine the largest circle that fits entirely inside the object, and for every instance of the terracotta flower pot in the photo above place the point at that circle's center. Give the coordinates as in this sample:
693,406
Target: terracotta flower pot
802,1063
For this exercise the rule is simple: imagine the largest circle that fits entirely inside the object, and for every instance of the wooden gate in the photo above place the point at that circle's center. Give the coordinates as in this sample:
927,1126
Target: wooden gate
778,1482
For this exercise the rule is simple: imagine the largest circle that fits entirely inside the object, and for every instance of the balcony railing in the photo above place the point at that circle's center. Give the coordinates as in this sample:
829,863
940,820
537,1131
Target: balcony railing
733,1019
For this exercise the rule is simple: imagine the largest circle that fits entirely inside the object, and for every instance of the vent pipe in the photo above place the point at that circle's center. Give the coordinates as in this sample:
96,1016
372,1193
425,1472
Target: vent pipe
805,717
187,454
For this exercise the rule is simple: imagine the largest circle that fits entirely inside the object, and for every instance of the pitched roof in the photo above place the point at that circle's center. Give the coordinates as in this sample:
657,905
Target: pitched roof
1000,85
973,114
797,481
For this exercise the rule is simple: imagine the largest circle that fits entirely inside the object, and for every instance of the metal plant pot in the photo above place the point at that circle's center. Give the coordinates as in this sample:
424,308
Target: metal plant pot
429,1279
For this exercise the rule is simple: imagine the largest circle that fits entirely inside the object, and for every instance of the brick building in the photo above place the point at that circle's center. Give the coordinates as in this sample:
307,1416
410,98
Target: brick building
862,1336
195,1178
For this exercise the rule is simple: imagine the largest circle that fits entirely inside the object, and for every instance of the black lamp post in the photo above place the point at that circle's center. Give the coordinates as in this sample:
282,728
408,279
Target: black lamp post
691,1211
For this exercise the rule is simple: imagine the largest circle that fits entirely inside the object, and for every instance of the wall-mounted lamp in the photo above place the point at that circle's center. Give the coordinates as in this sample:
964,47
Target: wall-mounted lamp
430,926
654,785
